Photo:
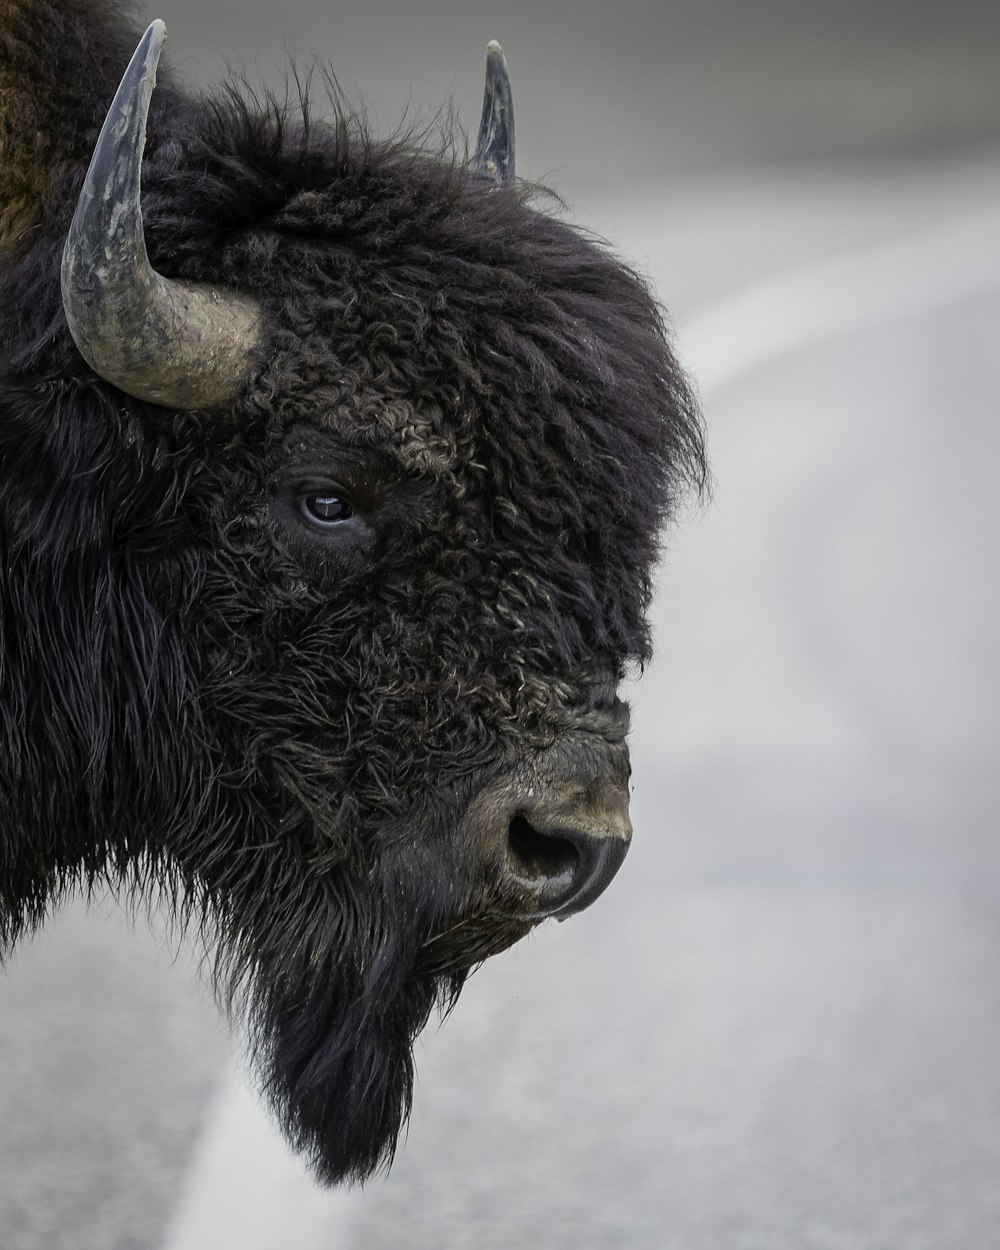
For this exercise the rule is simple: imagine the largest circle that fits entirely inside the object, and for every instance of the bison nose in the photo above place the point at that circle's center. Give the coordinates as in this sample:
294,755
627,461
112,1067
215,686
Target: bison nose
550,834
556,832
565,866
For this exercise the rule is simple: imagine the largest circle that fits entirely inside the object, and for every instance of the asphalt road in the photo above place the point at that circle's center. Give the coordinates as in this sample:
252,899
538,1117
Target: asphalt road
779,1029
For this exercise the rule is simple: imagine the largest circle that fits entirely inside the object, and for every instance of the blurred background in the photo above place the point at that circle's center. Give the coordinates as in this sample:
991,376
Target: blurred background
780,1028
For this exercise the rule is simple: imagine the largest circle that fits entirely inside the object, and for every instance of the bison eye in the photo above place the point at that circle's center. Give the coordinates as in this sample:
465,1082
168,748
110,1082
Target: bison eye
326,509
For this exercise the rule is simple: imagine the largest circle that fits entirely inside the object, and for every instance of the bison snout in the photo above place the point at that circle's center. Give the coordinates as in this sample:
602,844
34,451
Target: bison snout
558,843
568,866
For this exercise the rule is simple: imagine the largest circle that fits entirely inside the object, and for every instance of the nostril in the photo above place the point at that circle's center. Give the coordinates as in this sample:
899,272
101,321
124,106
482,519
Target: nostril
565,866
540,857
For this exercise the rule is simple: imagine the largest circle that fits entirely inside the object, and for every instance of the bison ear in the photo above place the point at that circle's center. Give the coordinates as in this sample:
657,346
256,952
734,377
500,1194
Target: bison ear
180,344
495,145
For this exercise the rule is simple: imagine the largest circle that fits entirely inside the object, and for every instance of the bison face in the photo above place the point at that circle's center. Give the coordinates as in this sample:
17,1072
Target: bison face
404,652
374,597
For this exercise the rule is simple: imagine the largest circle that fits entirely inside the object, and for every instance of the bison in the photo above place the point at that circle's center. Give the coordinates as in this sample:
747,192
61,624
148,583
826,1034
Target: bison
333,471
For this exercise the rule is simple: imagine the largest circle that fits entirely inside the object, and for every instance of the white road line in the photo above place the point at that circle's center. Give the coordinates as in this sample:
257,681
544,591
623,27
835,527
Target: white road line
244,1188
949,263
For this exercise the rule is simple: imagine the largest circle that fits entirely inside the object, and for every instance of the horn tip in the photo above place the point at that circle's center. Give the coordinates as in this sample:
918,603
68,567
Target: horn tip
156,33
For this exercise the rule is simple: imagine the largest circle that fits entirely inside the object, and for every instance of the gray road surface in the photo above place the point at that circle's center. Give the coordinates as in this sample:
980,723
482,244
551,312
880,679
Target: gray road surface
780,1029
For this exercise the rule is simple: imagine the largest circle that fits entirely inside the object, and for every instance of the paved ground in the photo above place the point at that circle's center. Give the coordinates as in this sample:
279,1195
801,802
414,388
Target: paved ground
779,1030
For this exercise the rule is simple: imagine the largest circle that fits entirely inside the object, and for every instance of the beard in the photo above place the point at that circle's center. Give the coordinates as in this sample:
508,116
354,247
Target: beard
335,972
337,1062
332,1023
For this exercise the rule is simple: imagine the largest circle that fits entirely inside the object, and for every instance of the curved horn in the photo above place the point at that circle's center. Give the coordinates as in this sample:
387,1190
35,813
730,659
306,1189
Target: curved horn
181,344
495,145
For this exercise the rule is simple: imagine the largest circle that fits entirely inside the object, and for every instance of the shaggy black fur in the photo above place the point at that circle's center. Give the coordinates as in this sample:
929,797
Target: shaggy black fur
286,729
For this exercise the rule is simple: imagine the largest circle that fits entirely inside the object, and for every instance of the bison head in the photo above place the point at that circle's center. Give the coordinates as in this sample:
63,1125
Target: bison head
322,574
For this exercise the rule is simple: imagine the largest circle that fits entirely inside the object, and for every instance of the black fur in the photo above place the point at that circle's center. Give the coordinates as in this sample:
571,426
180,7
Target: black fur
285,733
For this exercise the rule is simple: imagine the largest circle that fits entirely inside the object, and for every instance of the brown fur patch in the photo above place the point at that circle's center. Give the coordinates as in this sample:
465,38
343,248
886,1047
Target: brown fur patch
25,165
60,61
25,142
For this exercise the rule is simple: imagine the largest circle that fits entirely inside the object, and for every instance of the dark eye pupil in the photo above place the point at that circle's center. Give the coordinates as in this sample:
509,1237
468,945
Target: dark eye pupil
327,508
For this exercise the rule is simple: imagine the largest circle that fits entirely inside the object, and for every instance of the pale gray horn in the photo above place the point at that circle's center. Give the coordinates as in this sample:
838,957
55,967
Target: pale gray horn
495,145
180,344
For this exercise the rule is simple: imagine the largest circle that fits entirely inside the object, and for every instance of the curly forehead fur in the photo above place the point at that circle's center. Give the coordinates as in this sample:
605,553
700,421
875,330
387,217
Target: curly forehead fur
472,337
289,734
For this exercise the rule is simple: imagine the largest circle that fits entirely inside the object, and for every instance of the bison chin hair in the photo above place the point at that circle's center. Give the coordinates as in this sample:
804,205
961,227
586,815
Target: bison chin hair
333,996
336,1060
